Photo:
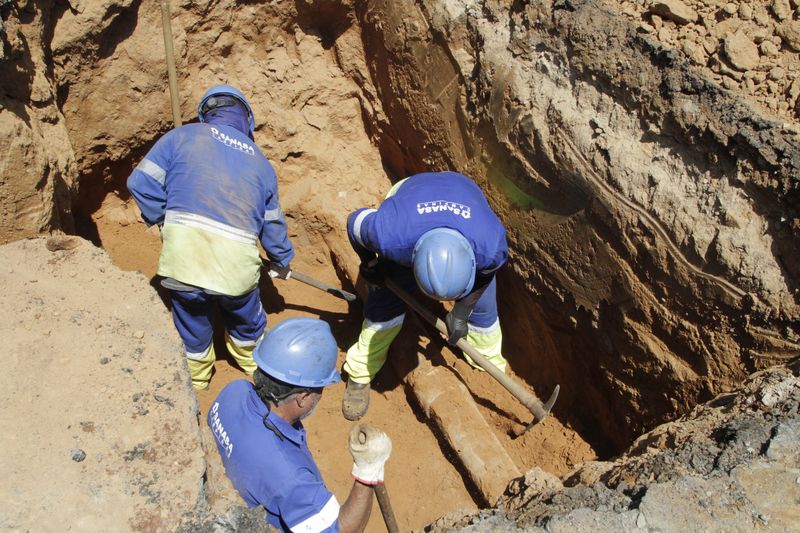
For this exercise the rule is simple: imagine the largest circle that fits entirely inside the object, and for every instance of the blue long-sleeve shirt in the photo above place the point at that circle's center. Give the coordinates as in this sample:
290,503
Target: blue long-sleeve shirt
216,195
424,202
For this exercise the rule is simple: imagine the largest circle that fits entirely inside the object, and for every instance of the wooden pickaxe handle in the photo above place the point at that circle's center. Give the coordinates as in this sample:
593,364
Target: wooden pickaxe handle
386,508
529,400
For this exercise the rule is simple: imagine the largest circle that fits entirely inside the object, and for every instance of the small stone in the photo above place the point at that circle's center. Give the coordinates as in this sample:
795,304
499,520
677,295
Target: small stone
768,48
710,44
641,521
138,334
761,18
789,31
729,83
674,10
658,22
78,455
137,396
741,51
730,8
782,9
104,360
777,73
745,12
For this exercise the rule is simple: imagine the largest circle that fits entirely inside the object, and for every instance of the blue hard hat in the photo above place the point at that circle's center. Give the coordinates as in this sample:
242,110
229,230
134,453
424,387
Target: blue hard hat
227,90
300,352
444,264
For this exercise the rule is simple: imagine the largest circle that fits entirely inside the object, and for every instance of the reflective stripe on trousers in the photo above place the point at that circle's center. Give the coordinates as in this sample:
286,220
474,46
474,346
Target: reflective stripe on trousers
367,356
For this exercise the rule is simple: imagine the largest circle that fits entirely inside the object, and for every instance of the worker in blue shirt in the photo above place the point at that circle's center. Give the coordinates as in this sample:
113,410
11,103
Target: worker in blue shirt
214,196
260,436
434,232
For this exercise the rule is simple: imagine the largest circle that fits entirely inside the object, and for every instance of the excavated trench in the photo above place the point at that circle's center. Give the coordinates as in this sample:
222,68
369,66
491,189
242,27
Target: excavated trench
651,214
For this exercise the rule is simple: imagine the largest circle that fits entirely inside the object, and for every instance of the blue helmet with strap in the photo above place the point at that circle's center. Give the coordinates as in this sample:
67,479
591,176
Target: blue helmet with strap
212,97
299,351
444,264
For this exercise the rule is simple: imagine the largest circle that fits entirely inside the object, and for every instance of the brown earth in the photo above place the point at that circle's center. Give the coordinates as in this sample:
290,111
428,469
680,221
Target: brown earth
645,162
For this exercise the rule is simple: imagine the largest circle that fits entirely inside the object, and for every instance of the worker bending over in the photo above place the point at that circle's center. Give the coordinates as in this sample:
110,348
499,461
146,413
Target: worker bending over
214,196
434,232
260,436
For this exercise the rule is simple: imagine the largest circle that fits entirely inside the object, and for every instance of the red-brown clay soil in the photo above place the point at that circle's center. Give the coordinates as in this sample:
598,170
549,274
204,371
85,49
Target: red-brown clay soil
421,477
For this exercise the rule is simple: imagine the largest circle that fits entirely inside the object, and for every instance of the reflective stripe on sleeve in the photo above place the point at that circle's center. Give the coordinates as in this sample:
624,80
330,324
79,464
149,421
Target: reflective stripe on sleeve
488,330
152,170
212,226
321,521
357,224
379,326
272,214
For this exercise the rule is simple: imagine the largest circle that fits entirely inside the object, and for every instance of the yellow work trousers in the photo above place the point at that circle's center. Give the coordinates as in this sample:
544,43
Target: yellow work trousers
201,365
368,354
487,342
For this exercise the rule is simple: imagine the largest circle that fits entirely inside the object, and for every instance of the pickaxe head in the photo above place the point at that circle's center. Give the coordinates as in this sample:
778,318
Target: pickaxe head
546,408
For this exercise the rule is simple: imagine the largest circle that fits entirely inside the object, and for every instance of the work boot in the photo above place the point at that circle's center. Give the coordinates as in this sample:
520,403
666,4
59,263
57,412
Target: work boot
356,400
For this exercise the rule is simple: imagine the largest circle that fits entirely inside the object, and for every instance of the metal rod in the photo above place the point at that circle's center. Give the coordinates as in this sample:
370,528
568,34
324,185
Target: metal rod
529,400
308,280
386,508
173,77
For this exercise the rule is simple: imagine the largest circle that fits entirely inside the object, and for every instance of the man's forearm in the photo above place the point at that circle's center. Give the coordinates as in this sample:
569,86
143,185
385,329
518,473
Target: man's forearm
354,513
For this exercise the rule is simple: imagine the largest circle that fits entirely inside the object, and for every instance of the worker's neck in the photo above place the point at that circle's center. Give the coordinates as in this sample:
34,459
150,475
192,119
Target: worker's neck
288,411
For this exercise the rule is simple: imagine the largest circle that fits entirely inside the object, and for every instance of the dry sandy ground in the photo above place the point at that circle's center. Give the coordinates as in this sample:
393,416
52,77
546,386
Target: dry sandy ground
99,428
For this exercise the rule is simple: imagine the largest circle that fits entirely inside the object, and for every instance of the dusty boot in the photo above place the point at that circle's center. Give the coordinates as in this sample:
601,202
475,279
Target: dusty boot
356,400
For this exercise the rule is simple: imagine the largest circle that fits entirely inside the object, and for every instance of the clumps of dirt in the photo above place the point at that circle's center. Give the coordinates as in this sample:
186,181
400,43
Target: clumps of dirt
731,464
748,47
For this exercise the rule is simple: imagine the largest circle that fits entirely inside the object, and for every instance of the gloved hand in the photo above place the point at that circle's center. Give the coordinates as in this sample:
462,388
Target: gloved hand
456,322
370,448
277,271
373,271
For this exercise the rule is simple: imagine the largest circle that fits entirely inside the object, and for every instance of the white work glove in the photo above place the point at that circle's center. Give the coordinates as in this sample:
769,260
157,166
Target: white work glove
370,448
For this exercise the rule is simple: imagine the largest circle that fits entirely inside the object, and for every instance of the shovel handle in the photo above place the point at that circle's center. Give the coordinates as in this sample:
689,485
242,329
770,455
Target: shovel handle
530,401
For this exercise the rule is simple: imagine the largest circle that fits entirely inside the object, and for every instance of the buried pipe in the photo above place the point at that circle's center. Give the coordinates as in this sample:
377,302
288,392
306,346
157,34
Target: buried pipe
448,404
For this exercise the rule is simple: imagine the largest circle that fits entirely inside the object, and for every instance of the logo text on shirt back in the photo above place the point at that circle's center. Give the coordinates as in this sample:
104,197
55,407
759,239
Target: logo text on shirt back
443,205
230,142
219,431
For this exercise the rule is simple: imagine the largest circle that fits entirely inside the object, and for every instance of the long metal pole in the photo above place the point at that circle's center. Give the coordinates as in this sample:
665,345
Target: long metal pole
173,77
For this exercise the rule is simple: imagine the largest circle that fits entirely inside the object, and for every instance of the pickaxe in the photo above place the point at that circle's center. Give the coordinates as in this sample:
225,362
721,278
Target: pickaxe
529,400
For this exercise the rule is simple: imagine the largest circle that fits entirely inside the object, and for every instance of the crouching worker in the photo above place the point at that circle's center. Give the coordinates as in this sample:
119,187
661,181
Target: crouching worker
260,436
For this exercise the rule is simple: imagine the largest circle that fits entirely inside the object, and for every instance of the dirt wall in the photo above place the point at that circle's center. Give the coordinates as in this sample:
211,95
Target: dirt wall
652,214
